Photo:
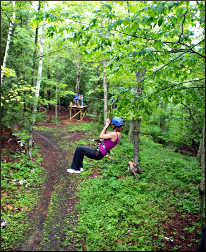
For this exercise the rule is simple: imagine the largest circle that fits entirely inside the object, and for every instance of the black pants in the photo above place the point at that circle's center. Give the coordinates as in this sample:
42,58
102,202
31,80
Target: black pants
82,151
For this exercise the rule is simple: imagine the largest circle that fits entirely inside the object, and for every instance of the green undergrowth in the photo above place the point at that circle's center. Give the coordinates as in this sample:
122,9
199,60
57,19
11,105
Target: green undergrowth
115,210
20,182
118,212
85,126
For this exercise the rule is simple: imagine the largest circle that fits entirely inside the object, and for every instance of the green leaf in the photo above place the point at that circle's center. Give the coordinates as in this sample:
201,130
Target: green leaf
108,6
119,21
76,16
8,72
160,21
110,27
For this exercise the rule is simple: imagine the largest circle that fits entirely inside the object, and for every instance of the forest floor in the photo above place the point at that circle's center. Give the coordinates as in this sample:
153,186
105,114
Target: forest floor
49,233
56,208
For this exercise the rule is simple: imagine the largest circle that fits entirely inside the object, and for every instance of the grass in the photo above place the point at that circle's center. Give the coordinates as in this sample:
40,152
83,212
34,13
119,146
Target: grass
117,212
19,189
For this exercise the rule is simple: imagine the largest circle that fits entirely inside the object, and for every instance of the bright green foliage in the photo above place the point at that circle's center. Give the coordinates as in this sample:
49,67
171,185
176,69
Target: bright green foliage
118,212
19,189
166,38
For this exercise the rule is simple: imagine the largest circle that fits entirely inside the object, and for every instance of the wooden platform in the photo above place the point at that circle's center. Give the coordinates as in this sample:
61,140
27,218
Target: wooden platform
74,111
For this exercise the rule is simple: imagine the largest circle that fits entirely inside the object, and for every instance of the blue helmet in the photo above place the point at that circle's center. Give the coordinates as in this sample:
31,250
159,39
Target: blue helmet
117,121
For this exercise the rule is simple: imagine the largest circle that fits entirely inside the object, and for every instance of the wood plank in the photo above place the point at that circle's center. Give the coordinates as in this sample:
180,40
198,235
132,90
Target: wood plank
75,114
81,110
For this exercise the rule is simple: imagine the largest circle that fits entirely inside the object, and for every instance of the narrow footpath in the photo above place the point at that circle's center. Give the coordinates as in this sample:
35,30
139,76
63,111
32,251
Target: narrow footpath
55,215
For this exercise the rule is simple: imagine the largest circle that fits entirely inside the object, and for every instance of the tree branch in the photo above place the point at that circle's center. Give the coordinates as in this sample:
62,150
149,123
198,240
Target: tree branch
128,8
164,42
177,84
191,117
191,50
175,58
182,26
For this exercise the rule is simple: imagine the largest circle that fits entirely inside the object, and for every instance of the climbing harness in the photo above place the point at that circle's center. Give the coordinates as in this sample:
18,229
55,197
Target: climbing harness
101,141
103,145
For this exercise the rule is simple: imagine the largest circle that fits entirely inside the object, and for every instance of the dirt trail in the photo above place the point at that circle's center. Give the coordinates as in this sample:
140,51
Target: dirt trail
48,232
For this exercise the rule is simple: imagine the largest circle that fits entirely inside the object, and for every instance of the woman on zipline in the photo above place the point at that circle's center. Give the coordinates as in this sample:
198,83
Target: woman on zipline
111,139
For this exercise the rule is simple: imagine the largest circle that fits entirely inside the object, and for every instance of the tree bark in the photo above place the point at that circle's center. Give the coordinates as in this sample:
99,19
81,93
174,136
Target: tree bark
8,39
35,49
202,163
163,118
136,144
131,128
77,77
105,90
136,132
98,74
56,107
39,75
37,92
48,95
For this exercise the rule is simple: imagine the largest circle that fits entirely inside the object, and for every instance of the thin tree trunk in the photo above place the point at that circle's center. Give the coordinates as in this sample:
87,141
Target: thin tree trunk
39,75
163,118
202,183
131,128
56,107
37,91
35,49
98,75
48,90
105,90
8,39
77,77
136,131
136,144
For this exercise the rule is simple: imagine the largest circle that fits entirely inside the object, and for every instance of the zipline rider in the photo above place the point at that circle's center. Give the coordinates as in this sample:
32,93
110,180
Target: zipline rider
110,140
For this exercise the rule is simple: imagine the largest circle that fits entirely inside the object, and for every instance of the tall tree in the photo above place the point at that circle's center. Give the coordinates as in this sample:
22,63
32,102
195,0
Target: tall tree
39,76
77,77
35,48
105,89
202,161
8,39
136,132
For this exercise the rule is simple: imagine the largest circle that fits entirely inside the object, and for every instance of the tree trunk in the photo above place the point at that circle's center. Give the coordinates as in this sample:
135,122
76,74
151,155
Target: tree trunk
48,90
202,162
56,107
35,50
163,118
105,90
136,144
8,39
77,77
131,128
37,92
98,75
39,72
136,131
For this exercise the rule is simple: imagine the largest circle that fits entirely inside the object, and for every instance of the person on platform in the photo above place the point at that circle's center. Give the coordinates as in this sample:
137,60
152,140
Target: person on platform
76,99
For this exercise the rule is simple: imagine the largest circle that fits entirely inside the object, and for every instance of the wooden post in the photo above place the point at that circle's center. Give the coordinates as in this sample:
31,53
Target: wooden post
77,110
70,110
